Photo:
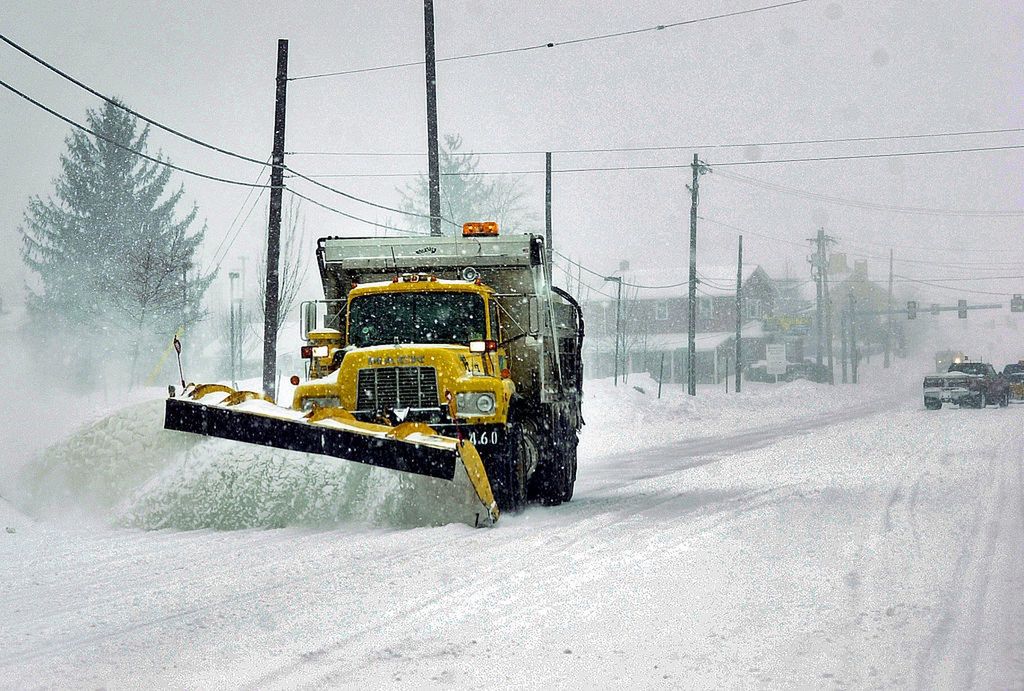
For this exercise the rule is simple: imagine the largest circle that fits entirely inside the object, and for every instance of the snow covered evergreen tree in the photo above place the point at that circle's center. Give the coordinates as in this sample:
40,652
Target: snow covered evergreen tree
466,195
114,263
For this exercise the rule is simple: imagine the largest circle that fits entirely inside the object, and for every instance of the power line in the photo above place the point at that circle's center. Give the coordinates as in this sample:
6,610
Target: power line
957,290
235,220
671,147
764,184
350,216
364,201
173,131
849,157
238,231
678,166
125,108
551,44
127,148
960,279
625,283
751,232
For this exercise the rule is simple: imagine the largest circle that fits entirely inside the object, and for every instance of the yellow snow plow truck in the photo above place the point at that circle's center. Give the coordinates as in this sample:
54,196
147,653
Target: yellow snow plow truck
452,360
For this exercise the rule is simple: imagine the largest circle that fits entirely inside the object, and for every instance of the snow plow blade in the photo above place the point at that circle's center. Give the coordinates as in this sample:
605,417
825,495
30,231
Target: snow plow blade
443,469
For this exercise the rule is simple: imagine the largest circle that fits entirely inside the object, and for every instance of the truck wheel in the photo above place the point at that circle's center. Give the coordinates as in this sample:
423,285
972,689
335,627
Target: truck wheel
508,474
1004,400
570,457
552,483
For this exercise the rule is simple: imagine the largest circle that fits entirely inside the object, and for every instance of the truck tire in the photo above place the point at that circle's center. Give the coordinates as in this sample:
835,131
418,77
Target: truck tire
1004,400
571,466
507,473
980,401
553,482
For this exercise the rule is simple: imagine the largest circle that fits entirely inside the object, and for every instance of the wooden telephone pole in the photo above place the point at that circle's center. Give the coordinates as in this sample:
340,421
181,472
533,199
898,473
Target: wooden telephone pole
274,227
691,355
433,167
739,318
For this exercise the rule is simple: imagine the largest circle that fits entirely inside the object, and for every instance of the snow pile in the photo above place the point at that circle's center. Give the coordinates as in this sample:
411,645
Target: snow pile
226,485
127,470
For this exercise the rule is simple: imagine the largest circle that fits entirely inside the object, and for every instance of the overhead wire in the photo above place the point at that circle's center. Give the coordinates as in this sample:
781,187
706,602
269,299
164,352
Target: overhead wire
711,164
550,44
671,147
353,217
119,145
353,197
118,104
176,132
925,211
216,263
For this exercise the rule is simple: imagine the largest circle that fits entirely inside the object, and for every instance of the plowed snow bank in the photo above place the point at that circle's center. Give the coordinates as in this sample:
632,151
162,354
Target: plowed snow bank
127,470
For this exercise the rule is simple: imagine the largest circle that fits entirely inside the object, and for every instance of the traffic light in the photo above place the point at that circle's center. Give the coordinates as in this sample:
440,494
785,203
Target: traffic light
961,309
1017,303
911,309
935,309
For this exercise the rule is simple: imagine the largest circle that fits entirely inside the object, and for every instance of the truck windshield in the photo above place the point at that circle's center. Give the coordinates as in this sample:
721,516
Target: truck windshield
418,317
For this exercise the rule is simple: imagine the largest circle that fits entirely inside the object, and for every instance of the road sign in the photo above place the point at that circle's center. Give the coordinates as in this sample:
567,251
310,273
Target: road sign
961,309
775,355
1017,303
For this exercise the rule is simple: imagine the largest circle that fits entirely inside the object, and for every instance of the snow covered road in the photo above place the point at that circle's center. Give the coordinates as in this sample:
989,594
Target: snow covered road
872,544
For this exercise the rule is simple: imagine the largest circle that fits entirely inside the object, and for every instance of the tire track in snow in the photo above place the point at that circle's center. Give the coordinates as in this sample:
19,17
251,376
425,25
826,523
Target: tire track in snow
493,587
951,655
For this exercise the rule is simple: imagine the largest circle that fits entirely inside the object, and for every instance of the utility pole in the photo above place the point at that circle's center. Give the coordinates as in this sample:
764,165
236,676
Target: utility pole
888,324
274,227
819,264
819,317
739,319
618,322
842,340
432,157
691,344
854,355
547,217
828,314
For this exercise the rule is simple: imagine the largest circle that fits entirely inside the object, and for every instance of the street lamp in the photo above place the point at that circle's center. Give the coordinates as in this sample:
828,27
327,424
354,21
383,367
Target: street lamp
232,277
618,321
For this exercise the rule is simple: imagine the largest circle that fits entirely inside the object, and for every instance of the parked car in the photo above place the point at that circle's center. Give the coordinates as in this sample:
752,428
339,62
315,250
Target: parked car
808,369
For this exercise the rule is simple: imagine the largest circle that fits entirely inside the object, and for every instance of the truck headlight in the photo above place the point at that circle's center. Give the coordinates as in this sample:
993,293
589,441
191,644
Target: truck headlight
485,403
469,404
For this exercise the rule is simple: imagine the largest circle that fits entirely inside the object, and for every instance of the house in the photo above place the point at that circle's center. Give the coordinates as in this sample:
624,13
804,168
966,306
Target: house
654,321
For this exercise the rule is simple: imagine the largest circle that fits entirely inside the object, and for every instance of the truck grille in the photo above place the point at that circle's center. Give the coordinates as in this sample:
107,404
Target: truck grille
383,388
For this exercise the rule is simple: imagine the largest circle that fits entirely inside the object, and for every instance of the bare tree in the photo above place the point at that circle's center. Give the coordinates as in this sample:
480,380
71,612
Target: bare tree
294,263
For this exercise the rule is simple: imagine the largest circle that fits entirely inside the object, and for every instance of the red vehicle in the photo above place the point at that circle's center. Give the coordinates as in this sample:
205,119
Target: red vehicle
969,385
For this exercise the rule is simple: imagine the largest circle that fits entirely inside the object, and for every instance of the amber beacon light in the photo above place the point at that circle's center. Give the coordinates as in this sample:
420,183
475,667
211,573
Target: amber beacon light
477,229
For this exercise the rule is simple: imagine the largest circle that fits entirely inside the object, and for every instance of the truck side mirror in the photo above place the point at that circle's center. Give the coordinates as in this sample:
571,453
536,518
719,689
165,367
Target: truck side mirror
534,311
308,319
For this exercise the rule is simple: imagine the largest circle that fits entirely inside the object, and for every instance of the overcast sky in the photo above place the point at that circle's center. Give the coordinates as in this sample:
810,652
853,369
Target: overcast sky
821,69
